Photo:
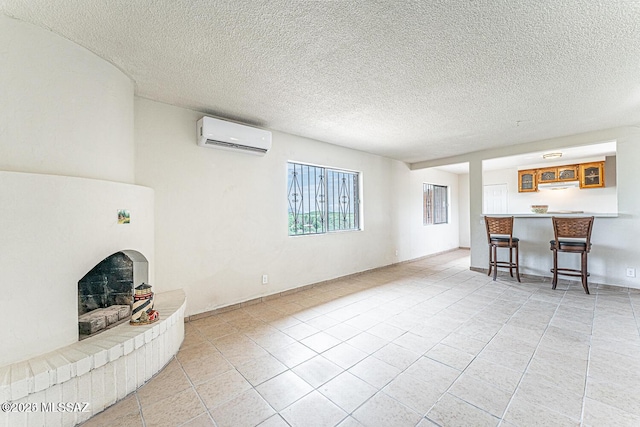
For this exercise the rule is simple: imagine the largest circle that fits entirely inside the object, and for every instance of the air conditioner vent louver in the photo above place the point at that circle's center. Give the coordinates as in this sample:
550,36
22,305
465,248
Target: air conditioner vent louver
234,146
216,133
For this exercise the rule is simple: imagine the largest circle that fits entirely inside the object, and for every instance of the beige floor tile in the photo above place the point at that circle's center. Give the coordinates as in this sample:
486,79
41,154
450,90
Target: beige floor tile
508,359
481,394
342,332
382,410
386,332
274,421
520,412
124,413
415,343
597,413
206,322
621,396
426,423
464,343
300,331
391,329
450,356
192,338
273,341
306,315
320,342
261,369
217,331
222,388
323,323
367,342
173,411
317,371
313,410
557,373
437,375
350,422
283,322
375,371
347,391
196,351
167,382
505,341
206,368
203,420
106,420
397,356
283,390
344,355
413,393
245,410
241,356
541,392
451,411
362,321
246,324
262,330
293,354
231,343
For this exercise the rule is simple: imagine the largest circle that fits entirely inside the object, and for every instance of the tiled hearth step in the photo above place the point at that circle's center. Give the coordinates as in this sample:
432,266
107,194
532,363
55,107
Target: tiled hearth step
100,370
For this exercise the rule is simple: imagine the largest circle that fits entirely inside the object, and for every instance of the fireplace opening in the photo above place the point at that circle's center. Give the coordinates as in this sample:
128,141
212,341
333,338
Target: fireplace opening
105,293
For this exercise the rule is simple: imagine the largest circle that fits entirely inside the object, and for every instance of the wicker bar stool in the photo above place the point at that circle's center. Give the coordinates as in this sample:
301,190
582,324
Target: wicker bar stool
500,235
571,235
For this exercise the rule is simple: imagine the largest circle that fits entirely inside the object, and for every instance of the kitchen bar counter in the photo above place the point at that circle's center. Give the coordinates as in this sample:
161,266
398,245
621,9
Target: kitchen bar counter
535,231
559,214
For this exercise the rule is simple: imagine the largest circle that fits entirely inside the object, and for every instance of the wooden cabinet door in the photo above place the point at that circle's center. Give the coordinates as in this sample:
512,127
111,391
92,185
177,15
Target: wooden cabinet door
568,173
527,181
547,175
592,175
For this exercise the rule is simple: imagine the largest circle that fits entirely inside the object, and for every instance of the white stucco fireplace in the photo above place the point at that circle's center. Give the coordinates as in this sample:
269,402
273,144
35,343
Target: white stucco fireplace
65,226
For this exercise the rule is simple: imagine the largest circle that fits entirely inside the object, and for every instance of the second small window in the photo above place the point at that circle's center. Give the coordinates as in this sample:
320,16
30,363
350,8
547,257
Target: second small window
435,203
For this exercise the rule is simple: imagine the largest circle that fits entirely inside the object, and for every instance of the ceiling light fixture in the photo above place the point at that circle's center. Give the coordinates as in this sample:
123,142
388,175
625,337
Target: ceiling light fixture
551,155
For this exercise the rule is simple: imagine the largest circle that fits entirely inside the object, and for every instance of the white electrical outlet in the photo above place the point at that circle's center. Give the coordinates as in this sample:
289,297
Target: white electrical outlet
396,252
631,272
265,279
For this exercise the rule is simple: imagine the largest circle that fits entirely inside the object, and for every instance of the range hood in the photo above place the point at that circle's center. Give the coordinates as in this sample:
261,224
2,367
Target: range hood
561,185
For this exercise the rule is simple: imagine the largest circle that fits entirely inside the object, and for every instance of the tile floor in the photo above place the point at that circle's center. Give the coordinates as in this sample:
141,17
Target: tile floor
418,344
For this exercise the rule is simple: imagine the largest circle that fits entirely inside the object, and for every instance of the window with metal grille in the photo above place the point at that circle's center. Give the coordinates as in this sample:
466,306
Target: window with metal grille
435,204
322,200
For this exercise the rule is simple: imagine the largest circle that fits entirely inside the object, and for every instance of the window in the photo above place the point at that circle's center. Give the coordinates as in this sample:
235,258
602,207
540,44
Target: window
322,200
435,204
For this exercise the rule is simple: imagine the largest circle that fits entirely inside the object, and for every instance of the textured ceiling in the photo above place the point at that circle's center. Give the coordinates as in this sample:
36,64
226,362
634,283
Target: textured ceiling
410,80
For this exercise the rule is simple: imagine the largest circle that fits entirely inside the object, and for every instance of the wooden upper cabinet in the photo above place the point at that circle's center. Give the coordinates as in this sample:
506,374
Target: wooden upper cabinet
527,181
558,174
591,175
547,175
568,173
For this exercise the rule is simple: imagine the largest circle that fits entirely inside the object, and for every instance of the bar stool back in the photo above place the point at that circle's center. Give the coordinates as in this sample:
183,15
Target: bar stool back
571,235
500,235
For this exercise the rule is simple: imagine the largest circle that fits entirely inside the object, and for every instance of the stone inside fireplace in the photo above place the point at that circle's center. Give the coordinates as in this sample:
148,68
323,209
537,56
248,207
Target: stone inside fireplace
105,293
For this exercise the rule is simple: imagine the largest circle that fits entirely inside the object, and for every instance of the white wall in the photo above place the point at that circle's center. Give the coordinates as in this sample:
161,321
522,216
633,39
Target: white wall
412,238
592,200
64,111
614,239
464,210
65,116
221,217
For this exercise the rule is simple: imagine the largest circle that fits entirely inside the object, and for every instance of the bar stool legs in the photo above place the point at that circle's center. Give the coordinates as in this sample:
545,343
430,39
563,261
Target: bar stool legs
572,235
500,235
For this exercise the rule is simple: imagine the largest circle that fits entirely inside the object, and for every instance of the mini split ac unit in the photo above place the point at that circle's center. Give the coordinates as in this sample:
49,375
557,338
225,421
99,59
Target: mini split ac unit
216,133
